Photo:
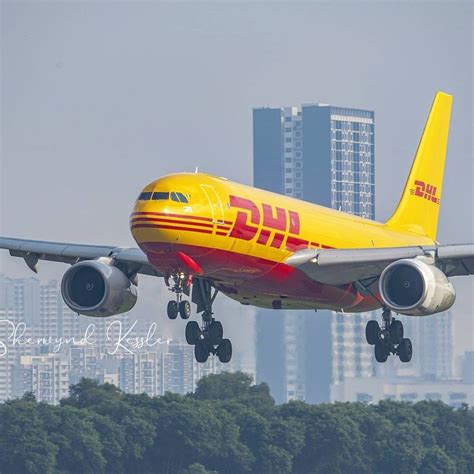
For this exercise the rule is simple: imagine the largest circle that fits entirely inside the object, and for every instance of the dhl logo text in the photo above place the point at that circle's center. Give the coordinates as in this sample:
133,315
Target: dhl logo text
426,191
270,225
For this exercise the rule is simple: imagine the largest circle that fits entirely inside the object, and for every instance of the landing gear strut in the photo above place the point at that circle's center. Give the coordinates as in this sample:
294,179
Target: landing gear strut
208,338
181,285
388,339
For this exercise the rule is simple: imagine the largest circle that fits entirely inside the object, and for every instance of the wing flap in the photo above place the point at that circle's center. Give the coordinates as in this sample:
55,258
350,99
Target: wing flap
457,260
341,266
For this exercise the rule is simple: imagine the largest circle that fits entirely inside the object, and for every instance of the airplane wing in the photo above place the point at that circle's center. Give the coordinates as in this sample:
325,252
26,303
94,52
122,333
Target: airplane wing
34,250
340,266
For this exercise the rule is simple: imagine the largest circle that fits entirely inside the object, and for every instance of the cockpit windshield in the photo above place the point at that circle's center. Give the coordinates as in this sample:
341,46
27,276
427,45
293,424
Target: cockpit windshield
179,197
160,196
163,196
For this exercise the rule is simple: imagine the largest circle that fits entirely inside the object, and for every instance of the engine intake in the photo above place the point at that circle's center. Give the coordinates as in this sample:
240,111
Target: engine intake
416,288
96,288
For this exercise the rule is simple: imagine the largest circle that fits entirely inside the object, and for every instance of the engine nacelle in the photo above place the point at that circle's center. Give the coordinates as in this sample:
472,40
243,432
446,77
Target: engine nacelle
95,288
416,288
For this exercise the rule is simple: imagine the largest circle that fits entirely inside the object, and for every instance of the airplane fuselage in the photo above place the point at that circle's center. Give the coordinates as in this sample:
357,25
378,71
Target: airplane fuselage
239,237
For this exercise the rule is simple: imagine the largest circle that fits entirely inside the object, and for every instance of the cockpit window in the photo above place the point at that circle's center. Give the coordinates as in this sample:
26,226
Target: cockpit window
182,198
145,196
179,197
160,196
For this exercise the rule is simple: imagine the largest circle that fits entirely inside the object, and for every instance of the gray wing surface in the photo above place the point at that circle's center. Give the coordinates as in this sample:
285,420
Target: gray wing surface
34,250
340,266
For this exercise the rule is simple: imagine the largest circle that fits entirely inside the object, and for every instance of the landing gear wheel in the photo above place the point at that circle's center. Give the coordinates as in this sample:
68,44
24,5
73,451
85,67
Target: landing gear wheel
215,332
372,332
193,333
172,309
405,350
224,351
381,352
185,309
200,352
396,332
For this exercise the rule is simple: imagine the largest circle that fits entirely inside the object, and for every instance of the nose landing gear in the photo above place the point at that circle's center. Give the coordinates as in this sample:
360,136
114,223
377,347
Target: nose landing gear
181,285
388,339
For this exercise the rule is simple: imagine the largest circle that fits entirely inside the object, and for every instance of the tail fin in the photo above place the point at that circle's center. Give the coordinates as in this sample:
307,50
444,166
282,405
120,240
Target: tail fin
418,208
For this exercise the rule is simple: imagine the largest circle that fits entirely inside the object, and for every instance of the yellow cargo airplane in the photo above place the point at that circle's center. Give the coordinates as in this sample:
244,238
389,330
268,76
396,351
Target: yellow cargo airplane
204,234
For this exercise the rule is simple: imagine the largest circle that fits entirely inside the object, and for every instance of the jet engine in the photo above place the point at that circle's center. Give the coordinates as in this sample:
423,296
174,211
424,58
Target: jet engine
416,288
97,288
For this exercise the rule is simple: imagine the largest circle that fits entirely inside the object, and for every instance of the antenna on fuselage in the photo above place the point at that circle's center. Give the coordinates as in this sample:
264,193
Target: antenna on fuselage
196,170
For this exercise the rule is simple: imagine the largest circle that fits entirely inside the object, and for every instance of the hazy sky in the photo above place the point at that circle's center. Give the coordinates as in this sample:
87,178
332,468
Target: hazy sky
97,99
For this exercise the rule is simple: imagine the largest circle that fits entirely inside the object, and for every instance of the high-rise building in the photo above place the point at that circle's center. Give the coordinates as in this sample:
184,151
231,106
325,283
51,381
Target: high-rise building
325,155
435,341
467,369
47,376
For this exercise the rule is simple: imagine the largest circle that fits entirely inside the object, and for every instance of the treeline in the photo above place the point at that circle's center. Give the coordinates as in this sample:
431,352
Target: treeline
229,426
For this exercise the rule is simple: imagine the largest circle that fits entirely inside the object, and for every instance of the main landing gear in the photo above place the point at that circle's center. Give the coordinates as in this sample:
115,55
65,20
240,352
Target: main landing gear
208,338
388,339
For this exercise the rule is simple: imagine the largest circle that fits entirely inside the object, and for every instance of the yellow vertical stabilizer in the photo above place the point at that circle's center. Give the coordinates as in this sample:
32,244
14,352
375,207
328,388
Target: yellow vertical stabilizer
418,208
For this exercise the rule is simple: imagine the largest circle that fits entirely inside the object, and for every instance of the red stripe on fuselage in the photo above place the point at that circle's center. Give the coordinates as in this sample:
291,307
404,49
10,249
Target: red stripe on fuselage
170,221
171,227
181,216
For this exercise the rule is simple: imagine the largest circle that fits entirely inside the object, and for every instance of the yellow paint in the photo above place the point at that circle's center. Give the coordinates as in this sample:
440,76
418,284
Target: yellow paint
417,214
413,223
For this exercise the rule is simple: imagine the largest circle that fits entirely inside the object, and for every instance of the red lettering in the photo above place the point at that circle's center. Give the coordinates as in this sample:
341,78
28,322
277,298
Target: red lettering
277,240
241,229
419,188
294,243
243,203
294,222
263,236
278,222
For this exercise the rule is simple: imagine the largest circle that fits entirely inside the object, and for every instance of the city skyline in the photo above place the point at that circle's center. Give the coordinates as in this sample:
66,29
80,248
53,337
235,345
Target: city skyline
56,349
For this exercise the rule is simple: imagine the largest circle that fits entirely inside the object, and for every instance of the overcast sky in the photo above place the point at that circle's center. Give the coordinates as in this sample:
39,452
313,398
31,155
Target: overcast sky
97,99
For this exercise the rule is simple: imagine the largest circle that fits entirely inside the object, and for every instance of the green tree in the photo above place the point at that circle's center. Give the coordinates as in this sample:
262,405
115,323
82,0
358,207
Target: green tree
73,432
194,431
25,447
197,468
136,420
436,461
333,443
235,386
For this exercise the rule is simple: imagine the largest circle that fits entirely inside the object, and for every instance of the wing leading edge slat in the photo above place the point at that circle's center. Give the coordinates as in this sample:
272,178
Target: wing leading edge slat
33,250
